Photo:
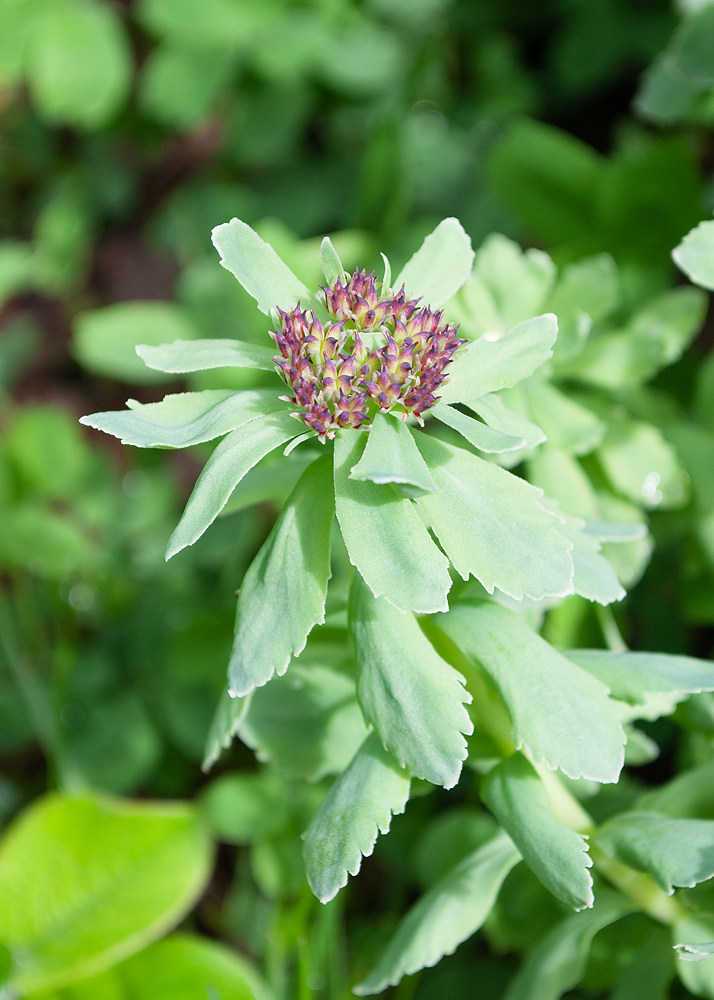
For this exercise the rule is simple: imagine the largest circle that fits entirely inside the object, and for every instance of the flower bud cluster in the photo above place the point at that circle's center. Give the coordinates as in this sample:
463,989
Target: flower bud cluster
376,353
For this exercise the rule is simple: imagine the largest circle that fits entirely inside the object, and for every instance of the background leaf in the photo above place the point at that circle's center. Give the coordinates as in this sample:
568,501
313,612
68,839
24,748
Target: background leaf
439,267
186,356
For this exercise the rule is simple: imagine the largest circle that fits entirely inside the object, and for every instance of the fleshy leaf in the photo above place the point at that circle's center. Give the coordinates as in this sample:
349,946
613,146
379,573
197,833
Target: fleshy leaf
692,939
695,255
489,365
519,280
565,423
481,436
631,676
562,715
224,726
385,537
306,724
675,852
492,409
491,525
235,455
558,961
186,418
689,796
199,355
642,465
284,590
558,856
330,262
258,268
440,266
449,913
593,575
413,698
391,456
357,808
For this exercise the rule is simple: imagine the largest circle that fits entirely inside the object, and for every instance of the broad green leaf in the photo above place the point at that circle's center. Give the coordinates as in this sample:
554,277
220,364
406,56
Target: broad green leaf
518,280
358,807
689,796
491,525
48,542
588,287
273,481
79,64
593,575
224,726
447,838
283,593
632,675
197,356
565,423
87,881
330,262
562,478
258,268
243,807
178,86
481,436
516,796
559,712
695,255
413,698
104,340
642,466
440,266
492,409
675,852
487,365
449,913
305,724
558,961
391,456
649,974
385,537
213,26
181,967
186,418
235,455
693,939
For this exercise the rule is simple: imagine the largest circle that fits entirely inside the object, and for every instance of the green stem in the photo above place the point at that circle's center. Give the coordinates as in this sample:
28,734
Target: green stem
610,631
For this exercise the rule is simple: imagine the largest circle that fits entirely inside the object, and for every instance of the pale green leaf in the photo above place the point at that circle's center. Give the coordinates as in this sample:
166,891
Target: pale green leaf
235,455
561,713
258,268
649,974
675,852
695,255
330,262
558,961
642,466
88,880
196,356
519,280
480,435
224,726
693,940
593,575
566,424
385,537
284,590
305,724
562,477
242,807
491,525
492,409
391,456
357,808
413,698
440,266
590,286
695,952
186,418
632,675
558,856
178,86
487,365
449,913
272,480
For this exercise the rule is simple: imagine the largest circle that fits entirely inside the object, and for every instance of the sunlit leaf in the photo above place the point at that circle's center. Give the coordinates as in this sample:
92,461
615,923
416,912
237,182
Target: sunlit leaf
224,726
492,409
440,266
695,255
519,280
391,456
632,675
358,807
480,435
195,356
642,465
593,575
330,262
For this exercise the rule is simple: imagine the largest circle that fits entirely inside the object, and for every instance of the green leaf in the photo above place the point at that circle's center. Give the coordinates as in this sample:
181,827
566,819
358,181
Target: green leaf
558,856
518,280
449,913
391,456
631,676
593,575
440,266
270,481
104,340
197,356
242,808
178,86
695,255
358,807
492,409
649,974
283,593
186,418
79,64
587,288
642,466
305,724
675,852
87,881
234,456
413,698
258,268
385,537
692,938
566,424
558,961
481,436
224,726
330,262
559,712
489,365
491,525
